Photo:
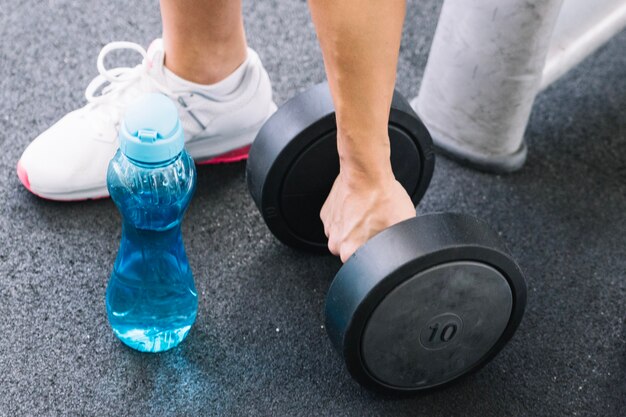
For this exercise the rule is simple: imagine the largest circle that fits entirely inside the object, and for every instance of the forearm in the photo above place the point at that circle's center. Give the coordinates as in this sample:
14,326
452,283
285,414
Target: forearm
360,41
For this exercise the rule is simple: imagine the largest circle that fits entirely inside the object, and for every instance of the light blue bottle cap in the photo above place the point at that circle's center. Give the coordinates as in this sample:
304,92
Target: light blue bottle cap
150,130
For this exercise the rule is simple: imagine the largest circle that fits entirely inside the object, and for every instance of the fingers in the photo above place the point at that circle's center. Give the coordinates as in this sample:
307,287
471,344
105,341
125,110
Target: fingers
342,247
334,246
343,250
346,251
326,213
325,218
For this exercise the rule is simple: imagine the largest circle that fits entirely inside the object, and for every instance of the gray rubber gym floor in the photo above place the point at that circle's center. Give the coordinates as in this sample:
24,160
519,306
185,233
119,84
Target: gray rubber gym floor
258,347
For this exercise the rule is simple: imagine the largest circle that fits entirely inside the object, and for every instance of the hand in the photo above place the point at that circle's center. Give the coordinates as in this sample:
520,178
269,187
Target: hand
357,208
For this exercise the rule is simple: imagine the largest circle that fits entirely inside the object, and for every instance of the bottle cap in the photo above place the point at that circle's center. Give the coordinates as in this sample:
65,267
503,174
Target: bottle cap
150,130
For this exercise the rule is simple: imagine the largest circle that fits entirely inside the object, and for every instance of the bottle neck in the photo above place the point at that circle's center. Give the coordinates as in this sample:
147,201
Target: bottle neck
159,164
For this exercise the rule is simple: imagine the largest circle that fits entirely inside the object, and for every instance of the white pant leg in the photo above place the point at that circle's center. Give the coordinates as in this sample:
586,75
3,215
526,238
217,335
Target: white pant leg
482,76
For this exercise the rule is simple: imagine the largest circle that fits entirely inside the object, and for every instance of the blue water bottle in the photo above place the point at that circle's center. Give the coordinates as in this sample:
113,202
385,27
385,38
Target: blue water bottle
151,297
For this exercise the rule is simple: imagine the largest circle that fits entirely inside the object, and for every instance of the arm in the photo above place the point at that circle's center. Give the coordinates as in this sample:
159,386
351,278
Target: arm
360,42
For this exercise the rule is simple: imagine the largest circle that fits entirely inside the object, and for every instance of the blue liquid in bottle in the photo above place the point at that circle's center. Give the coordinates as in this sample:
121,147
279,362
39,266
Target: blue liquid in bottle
151,298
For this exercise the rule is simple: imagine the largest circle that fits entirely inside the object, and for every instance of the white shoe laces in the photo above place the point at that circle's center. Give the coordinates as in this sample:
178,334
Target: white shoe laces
112,83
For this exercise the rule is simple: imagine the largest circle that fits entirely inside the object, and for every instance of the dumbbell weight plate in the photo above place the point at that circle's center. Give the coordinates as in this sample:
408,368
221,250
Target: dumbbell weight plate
293,163
424,302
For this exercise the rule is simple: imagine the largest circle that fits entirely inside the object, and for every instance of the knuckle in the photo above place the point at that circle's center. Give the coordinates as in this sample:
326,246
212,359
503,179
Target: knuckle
344,258
323,212
346,252
333,247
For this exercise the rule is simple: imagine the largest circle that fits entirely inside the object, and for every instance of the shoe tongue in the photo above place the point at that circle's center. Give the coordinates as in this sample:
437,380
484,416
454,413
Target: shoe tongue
156,67
156,56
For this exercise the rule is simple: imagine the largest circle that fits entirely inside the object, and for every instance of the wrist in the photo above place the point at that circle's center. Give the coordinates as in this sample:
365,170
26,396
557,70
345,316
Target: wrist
364,157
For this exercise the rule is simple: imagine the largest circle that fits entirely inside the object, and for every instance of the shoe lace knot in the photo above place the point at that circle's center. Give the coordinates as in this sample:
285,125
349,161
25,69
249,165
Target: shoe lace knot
112,83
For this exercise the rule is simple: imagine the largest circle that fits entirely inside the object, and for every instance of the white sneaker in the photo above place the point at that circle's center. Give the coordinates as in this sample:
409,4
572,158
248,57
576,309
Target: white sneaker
69,160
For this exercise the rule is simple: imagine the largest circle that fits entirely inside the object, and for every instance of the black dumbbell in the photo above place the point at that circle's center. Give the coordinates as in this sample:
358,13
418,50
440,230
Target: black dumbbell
420,304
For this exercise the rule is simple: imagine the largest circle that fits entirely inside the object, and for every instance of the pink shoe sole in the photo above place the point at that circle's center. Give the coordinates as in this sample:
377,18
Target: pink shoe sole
23,176
229,157
233,156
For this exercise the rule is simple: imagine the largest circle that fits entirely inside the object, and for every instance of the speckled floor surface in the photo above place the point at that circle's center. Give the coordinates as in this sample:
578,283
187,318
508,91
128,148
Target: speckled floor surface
257,347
